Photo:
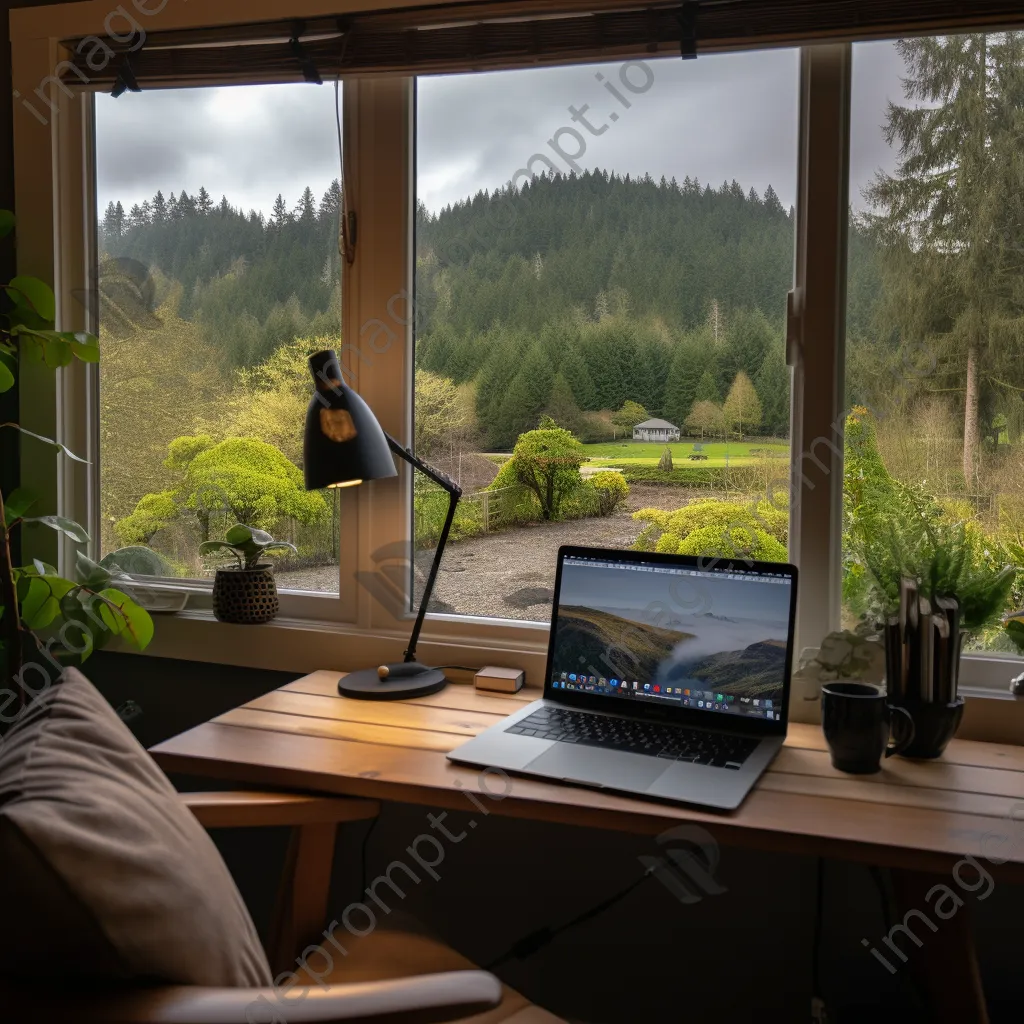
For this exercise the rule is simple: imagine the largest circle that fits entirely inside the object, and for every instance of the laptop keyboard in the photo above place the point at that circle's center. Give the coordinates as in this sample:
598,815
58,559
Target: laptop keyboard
675,743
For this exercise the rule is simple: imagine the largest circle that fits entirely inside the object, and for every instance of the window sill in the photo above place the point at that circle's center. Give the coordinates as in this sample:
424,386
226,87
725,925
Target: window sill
300,646
305,645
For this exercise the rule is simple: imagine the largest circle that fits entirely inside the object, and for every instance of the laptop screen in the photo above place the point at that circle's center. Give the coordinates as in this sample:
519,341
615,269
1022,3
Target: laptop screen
668,631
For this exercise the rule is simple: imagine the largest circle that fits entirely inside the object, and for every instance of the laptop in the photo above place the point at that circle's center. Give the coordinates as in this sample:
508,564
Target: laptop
668,677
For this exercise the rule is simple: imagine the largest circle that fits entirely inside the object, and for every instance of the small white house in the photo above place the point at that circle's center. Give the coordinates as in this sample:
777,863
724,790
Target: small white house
655,430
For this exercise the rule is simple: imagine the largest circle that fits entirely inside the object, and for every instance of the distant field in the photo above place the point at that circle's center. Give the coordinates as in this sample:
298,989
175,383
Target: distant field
639,453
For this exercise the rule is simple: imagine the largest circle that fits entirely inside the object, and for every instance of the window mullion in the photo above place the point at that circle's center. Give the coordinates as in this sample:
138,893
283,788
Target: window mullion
817,338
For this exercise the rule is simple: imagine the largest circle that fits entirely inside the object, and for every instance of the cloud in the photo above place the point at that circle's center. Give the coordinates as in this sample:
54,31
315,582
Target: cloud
717,118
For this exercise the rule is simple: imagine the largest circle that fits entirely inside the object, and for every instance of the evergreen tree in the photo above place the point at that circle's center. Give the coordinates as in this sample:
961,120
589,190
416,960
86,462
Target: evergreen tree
521,408
683,375
330,204
305,210
948,212
159,208
204,204
772,203
563,408
279,215
574,372
773,388
707,388
225,207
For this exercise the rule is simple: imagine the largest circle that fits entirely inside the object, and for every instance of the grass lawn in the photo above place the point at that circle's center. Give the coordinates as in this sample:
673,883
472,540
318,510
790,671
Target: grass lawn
641,453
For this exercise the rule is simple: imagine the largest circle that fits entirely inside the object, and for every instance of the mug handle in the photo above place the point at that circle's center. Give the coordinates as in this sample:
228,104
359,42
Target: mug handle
899,746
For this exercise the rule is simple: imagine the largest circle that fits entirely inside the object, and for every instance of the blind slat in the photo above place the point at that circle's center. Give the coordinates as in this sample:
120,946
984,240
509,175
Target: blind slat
484,37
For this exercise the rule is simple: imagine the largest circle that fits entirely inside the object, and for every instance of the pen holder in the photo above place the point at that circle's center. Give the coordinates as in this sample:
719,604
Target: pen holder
934,726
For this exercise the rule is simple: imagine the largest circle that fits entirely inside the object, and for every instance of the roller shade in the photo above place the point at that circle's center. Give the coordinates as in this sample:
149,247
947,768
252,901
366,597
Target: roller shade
515,33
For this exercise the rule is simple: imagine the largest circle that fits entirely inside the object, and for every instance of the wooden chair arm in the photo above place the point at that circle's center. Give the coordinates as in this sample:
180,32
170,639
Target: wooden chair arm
243,809
429,999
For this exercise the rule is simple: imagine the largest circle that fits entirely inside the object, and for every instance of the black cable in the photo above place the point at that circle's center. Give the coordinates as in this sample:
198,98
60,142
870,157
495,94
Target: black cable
457,668
537,940
362,855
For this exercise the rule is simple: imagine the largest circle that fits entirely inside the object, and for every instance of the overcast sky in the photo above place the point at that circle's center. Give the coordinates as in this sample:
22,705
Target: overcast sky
719,118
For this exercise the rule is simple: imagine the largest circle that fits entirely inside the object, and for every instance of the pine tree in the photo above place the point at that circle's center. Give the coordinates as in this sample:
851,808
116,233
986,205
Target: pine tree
279,215
563,408
204,204
110,221
305,210
330,204
946,212
225,207
772,203
707,388
521,408
574,372
773,387
159,208
742,407
683,375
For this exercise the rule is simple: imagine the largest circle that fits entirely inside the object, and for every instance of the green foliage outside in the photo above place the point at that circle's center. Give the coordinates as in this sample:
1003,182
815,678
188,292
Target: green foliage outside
246,479
714,528
544,469
894,530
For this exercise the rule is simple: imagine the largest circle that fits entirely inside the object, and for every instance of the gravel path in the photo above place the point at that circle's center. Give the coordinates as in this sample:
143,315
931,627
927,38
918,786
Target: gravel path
511,574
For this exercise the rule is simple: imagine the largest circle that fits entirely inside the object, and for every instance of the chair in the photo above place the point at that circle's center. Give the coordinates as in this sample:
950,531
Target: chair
398,977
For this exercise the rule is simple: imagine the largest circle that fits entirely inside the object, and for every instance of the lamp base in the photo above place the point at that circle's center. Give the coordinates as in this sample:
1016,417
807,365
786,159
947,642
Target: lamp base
409,679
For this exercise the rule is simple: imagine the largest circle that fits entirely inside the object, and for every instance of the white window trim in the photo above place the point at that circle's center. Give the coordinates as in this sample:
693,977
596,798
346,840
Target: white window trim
53,178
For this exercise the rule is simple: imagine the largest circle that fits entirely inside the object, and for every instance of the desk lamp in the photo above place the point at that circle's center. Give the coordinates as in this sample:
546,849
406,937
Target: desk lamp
343,446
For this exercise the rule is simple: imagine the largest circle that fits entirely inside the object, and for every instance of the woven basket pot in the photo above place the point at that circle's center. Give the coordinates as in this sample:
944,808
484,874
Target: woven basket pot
246,597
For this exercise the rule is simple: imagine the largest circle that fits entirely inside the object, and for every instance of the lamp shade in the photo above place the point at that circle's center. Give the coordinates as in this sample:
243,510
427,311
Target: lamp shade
343,443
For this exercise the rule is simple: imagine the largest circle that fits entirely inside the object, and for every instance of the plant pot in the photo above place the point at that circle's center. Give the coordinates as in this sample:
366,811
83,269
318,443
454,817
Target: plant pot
246,597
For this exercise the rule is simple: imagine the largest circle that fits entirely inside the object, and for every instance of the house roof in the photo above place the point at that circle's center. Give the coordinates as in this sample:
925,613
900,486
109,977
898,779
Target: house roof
655,425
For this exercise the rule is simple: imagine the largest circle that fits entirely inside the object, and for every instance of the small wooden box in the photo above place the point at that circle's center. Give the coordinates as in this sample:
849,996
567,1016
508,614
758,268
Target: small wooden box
502,680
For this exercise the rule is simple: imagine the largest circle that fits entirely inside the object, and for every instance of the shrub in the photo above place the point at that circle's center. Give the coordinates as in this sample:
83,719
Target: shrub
611,489
683,476
545,464
716,528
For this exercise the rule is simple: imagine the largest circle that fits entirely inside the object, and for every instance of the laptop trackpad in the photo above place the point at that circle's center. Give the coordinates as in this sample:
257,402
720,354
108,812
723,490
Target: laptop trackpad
615,769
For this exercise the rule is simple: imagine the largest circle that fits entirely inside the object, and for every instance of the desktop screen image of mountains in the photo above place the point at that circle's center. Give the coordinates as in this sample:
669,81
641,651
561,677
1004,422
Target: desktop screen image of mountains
673,630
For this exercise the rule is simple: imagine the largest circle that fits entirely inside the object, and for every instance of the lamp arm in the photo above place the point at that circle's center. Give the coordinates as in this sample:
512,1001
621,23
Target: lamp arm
454,493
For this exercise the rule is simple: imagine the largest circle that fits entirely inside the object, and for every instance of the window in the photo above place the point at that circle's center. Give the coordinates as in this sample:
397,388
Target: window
603,251
935,379
218,272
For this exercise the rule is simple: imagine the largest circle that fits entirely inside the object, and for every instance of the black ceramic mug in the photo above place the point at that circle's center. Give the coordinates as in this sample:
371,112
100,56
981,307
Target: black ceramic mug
858,720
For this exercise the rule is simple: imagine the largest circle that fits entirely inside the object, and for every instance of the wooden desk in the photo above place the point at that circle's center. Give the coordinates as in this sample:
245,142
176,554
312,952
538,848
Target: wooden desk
920,818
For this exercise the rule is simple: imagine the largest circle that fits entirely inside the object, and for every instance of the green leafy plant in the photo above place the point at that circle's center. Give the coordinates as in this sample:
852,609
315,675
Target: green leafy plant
895,531
247,544
612,491
62,620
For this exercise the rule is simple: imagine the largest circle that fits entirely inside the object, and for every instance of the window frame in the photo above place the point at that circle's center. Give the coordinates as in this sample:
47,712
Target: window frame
364,624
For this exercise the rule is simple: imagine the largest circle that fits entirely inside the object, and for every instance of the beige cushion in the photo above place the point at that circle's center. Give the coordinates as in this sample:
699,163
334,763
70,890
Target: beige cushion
107,875
400,948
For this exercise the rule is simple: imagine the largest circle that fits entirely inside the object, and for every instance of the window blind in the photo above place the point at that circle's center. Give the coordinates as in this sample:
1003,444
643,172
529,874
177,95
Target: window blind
514,33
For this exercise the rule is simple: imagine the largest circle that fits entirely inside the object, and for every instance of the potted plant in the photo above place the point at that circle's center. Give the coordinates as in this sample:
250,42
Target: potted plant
245,593
46,620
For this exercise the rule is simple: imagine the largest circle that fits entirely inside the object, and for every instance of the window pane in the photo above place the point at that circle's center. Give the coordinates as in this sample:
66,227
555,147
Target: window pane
935,379
604,251
218,273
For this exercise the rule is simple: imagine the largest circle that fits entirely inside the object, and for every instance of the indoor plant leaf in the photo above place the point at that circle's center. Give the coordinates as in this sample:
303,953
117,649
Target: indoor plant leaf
6,222
90,573
239,534
66,526
33,294
6,376
18,502
38,606
137,626
48,440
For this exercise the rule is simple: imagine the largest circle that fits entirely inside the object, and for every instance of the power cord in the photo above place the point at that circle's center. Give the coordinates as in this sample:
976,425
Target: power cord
537,940
362,853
